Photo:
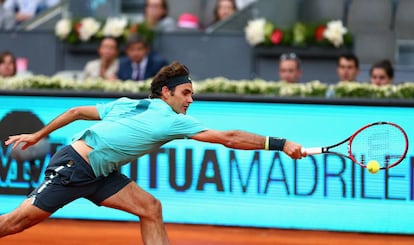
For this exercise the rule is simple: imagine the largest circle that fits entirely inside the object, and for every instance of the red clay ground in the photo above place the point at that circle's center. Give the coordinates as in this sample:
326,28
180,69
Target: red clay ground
72,232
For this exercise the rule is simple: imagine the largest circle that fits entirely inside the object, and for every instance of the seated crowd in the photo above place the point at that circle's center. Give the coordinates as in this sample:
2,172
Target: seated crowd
141,62
155,13
380,73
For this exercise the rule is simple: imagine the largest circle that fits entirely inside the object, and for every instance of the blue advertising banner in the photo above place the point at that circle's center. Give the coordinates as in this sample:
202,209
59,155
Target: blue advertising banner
204,183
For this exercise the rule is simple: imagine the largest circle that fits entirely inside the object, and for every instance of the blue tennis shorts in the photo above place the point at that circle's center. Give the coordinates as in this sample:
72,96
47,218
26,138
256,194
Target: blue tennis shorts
69,177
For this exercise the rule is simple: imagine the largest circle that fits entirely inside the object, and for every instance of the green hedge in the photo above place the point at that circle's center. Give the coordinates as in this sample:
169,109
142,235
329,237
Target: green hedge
221,85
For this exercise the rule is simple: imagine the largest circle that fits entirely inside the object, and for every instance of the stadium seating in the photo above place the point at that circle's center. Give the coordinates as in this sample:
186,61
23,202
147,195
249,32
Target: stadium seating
403,23
369,15
372,46
321,10
281,12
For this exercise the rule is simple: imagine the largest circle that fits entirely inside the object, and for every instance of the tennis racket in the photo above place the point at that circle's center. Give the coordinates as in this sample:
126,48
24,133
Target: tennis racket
384,142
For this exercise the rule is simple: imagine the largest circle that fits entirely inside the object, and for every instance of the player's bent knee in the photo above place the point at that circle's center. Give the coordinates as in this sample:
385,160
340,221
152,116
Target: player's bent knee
153,209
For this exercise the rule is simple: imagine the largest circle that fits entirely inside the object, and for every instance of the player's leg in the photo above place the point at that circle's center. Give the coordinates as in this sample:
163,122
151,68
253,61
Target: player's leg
23,217
65,171
135,200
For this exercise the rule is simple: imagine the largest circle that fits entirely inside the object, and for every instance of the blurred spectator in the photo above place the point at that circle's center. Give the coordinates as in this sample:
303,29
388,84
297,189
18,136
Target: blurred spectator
290,69
22,65
244,3
107,65
347,67
45,4
7,64
381,73
188,21
50,3
156,16
7,20
224,9
23,9
140,63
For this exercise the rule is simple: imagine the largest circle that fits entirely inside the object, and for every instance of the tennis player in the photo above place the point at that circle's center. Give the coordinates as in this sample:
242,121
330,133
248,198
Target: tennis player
126,129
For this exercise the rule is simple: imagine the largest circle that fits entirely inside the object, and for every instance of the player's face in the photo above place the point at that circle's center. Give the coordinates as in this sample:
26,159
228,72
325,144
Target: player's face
181,98
347,70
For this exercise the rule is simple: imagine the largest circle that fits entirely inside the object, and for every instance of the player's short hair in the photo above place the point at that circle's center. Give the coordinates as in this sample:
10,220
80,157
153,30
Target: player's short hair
170,75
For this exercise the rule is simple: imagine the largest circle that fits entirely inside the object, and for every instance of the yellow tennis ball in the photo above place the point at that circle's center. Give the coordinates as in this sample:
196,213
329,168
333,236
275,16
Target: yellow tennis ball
373,166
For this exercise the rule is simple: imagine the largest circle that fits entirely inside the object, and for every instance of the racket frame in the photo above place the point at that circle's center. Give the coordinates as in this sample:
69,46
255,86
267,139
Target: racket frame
326,149
373,124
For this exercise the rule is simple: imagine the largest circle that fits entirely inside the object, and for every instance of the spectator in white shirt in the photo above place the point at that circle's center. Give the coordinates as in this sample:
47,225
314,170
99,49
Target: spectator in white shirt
106,66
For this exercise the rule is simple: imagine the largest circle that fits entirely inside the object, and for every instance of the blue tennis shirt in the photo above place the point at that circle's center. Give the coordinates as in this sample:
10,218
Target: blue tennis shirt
131,128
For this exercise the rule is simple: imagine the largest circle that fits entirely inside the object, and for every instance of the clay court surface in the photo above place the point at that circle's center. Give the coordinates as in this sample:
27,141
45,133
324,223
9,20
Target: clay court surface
69,232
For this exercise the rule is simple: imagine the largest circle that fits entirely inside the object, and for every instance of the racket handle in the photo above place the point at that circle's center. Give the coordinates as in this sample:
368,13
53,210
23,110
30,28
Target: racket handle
312,150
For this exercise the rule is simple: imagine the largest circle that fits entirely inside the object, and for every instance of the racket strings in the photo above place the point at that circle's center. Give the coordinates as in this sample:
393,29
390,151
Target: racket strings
383,143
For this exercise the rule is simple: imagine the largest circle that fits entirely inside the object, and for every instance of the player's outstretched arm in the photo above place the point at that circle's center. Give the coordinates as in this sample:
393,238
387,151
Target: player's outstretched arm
73,114
238,139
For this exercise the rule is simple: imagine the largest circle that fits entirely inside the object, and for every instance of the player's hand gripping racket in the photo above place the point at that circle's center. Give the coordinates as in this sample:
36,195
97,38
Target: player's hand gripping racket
384,142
